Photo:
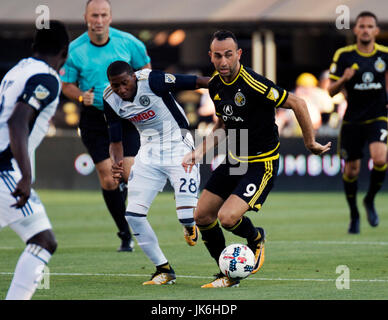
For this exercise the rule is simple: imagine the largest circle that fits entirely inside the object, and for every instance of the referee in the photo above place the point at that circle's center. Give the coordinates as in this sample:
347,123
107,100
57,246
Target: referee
360,69
84,80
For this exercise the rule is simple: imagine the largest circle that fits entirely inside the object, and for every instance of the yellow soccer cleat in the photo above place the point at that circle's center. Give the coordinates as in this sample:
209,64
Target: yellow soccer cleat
258,250
191,235
222,281
159,278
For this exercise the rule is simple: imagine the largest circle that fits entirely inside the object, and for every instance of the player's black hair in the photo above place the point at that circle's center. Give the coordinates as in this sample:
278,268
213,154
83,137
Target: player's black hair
222,35
367,14
118,67
51,40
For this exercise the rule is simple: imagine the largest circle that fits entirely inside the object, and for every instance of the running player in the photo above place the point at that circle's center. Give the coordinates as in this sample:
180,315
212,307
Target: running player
145,99
245,104
29,95
360,69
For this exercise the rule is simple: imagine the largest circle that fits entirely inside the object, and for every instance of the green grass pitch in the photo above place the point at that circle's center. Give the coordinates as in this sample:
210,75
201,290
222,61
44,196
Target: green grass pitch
306,241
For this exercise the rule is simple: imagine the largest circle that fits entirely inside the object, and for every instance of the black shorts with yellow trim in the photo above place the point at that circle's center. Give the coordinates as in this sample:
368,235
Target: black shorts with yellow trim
253,186
95,135
354,136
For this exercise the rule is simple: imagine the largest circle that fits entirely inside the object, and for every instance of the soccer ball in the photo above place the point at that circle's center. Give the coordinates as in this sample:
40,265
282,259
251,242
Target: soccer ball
236,261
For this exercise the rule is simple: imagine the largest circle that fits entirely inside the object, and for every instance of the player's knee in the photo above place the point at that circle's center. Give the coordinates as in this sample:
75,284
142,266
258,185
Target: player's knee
108,183
201,218
46,240
380,161
227,219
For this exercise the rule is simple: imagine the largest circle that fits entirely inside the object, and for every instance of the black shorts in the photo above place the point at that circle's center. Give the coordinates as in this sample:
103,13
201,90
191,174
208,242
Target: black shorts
253,186
353,138
95,135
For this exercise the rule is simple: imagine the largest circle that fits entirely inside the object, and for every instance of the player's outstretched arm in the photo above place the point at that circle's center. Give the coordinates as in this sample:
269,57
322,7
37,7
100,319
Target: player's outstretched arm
299,107
211,140
202,82
18,126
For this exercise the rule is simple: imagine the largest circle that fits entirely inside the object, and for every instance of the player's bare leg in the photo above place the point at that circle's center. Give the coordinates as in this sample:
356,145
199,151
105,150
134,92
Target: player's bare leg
231,216
115,195
378,152
350,181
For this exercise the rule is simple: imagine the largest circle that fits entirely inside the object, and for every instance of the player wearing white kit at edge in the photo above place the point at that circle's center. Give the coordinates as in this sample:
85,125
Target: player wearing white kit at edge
29,95
144,98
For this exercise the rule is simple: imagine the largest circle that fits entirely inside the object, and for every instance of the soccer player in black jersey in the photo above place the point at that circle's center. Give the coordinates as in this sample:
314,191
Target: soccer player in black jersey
360,69
243,100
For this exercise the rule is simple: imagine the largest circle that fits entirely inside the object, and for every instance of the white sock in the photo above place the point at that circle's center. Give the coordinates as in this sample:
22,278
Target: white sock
186,216
146,237
28,272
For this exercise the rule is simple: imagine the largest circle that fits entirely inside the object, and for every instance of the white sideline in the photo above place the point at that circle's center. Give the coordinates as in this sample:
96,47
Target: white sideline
199,277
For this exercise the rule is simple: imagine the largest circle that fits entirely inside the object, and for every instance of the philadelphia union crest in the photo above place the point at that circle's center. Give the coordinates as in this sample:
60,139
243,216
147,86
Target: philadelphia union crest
144,101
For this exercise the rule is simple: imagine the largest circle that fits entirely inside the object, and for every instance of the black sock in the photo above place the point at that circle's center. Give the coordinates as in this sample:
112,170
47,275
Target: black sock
213,238
116,206
377,177
245,229
124,190
350,186
166,267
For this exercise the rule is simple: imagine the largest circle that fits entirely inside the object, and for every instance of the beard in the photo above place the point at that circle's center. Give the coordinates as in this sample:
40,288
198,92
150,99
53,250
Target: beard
365,42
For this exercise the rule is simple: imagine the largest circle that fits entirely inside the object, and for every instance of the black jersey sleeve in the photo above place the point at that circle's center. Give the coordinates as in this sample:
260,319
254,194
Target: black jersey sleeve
114,123
162,83
266,91
40,90
337,66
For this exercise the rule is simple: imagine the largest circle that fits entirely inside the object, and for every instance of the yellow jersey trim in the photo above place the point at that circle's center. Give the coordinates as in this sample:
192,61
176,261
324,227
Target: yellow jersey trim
363,54
382,118
254,160
281,100
261,155
381,48
234,80
258,86
333,77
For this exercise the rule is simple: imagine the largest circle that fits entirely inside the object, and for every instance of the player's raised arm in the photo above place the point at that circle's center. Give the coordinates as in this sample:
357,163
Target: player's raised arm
337,85
299,107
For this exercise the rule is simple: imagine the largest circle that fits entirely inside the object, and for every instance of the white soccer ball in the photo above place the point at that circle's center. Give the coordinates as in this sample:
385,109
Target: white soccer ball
236,261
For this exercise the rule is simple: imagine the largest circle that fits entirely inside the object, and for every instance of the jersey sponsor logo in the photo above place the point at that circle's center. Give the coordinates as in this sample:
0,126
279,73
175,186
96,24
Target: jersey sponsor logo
228,110
41,92
380,65
216,97
169,78
273,94
239,99
144,101
232,118
367,78
144,116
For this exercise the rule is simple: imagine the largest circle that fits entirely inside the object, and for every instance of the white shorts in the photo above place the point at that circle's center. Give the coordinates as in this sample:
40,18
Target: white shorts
27,221
149,176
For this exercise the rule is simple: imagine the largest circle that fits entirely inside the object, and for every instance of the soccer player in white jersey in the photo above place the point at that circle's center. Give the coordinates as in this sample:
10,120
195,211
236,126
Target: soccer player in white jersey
145,98
29,95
